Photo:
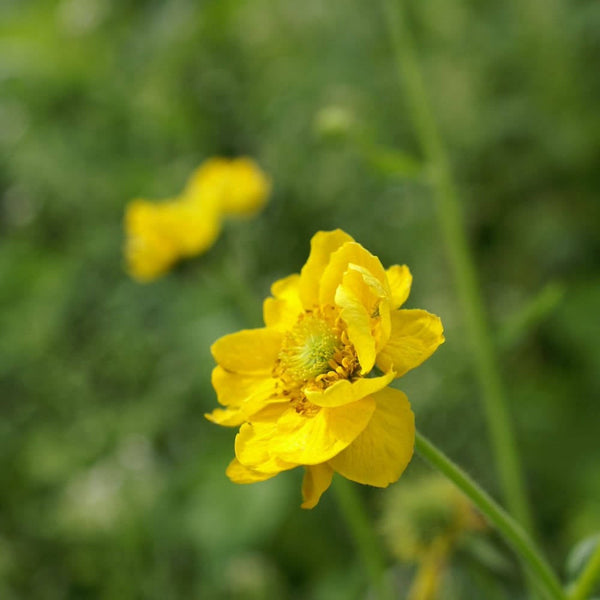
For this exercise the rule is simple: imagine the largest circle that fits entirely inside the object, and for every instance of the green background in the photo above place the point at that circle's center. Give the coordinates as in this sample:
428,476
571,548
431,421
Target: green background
112,482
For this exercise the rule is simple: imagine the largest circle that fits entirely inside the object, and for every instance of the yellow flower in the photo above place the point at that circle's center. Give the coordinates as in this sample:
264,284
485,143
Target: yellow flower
158,234
311,387
149,251
195,225
241,187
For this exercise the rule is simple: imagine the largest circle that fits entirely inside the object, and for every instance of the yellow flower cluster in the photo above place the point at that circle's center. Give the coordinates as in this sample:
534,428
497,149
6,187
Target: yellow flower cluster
161,233
311,387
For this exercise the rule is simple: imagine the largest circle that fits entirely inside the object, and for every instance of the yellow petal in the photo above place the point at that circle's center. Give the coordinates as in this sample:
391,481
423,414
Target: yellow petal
149,257
248,188
309,440
150,249
379,455
365,286
282,311
364,304
247,395
358,326
234,388
317,478
400,280
375,297
343,391
286,287
195,226
252,443
351,253
228,417
248,351
238,473
270,412
238,187
415,336
253,448
322,245
208,181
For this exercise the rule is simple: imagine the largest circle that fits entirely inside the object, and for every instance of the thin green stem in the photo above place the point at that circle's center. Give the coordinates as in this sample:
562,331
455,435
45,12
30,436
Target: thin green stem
365,538
451,222
512,532
584,585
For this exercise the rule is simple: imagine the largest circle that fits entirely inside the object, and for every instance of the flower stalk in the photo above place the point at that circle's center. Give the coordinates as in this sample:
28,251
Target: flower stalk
448,208
513,533
361,529
584,585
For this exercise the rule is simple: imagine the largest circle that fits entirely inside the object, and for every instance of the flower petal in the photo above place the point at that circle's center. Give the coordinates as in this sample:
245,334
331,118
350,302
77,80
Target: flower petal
379,455
234,388
270,412
322,245
317,478
358,326
228,417
150,250
207,181
248,188
248,351
237,187
238,473
351,253
400,280
252,443
253,448
194,226
415,336
343,391
365,309
309,440
281,312
246,396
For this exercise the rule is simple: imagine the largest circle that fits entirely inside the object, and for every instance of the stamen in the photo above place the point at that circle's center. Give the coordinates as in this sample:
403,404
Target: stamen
314,354
308,348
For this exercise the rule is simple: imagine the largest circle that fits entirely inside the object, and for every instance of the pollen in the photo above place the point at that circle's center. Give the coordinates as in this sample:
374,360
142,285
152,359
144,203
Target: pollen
308,349
314,354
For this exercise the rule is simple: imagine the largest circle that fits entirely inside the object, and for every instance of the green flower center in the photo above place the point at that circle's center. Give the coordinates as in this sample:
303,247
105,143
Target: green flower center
308,349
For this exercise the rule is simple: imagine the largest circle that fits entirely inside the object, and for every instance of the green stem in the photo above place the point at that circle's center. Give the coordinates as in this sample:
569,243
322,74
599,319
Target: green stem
583,587
365,539
451,222
513,533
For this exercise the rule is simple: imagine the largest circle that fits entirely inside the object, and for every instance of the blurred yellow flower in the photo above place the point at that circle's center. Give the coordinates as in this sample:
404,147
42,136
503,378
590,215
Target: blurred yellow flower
311,387
149,250
158,234
241,187
195,225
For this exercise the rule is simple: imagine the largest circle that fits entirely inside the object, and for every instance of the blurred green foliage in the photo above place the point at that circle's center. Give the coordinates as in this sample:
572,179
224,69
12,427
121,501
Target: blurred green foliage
112,481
